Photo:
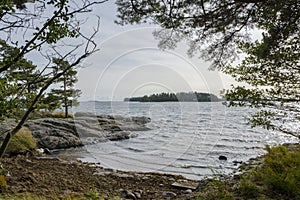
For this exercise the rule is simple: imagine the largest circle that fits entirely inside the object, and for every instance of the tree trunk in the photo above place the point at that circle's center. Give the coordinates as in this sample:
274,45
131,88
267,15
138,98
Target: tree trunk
66,108
5,144
65,98
10,133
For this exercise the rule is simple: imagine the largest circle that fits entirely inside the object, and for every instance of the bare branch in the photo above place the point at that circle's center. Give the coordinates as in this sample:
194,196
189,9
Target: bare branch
28,44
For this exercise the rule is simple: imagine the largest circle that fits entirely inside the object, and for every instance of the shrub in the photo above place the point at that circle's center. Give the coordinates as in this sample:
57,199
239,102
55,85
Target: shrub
216,190
278,176
282,171
248,189
21,142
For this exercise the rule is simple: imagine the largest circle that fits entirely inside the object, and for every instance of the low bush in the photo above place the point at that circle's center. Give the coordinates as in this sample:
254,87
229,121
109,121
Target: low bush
278,176
249,189
281,173
216,189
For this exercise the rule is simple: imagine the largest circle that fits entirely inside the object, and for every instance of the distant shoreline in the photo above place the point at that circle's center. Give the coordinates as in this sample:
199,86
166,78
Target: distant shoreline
122,101
176,97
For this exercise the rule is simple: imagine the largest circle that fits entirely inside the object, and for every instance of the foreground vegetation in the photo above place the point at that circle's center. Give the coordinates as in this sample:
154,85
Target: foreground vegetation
278,177
21,143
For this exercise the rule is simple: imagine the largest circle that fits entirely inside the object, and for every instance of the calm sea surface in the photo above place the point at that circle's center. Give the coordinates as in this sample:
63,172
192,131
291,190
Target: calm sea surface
185,138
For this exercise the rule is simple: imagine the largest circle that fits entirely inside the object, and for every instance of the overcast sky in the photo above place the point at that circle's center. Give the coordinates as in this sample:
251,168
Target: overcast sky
130,64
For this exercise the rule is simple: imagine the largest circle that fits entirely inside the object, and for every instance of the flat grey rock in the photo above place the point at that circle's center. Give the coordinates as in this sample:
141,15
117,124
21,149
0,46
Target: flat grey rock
185,185
86,128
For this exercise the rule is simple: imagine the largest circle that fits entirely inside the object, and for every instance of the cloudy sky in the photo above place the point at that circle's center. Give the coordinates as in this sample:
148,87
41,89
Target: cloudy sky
130,64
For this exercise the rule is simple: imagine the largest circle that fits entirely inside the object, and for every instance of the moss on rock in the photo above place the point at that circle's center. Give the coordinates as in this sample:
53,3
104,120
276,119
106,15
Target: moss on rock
21,142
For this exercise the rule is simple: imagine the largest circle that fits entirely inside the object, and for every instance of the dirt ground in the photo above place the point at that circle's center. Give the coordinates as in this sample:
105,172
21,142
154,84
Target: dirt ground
49,177
53,177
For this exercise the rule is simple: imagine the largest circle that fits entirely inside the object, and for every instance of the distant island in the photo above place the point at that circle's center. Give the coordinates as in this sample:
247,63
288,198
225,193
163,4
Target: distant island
180,96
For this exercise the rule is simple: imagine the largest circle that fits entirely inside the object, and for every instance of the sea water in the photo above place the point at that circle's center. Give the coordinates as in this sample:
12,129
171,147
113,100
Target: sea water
185,138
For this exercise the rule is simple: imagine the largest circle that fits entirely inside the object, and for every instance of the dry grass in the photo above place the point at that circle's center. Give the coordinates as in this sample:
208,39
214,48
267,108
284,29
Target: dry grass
52,115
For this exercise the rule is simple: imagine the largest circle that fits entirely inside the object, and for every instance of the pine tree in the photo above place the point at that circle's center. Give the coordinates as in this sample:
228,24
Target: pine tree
18,84
53,23
65,96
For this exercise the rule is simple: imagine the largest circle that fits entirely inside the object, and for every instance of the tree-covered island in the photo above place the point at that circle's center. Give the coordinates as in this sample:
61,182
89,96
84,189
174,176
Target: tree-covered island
180,96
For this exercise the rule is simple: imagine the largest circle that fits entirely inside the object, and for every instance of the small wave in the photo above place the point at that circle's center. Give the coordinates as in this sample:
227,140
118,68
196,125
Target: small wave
186,160
242,140
135,150
233,139
195,166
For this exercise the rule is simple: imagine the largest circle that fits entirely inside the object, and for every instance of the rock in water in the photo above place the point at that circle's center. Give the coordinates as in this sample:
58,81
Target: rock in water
47,151
235,162
222,158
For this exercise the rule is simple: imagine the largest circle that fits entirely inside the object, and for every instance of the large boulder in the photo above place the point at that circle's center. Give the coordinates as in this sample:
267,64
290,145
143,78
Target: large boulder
6,125
86,128
54,133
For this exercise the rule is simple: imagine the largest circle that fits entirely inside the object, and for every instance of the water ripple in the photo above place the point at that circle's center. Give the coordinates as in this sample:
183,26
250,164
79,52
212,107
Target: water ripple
186,138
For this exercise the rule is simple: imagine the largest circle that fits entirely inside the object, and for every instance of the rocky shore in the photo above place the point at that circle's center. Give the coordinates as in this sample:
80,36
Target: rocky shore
53,177
61,178
85,128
